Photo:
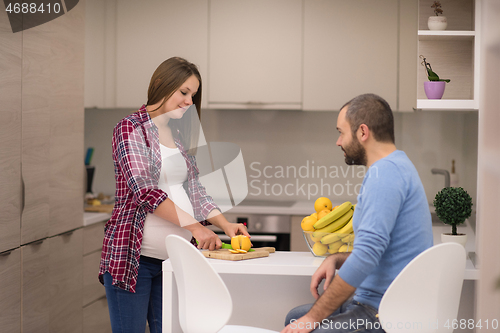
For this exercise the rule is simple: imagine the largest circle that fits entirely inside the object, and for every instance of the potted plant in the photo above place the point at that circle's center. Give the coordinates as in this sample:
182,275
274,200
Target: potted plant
437,22
453,206
434,88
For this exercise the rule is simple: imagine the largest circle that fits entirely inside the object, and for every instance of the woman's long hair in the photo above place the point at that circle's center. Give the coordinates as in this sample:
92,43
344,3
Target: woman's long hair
166,80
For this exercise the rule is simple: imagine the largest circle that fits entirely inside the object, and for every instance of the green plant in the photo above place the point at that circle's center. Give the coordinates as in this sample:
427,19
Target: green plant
453,206
437,8
431,75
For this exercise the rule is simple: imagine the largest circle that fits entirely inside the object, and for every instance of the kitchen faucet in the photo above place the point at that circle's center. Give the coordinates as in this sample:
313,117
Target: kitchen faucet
442,172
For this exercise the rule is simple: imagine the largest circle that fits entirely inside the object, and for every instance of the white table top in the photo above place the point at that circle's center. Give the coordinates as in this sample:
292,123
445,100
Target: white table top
286,263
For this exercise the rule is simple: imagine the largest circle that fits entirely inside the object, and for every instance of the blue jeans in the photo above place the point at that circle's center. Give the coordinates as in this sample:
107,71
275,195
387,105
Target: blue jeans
352,316
129,311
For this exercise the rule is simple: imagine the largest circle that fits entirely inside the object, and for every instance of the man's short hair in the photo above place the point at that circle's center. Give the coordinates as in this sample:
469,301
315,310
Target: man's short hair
373,111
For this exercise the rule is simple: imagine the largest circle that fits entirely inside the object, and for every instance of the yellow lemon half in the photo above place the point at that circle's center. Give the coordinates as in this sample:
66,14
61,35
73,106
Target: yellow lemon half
241,242
322,203
307,223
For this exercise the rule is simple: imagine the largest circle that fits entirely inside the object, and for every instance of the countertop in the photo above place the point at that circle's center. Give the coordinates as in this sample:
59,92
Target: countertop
92,218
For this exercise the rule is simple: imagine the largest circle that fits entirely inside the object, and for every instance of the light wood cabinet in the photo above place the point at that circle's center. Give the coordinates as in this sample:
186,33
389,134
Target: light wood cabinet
255,54
10,135
96,317
297,240
353,47
10,291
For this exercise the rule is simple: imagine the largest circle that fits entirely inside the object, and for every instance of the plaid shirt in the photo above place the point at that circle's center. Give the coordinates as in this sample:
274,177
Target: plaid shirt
137,162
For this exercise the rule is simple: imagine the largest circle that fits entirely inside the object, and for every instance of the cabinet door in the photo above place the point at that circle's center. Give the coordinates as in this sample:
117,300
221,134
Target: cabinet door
65,287
10,292
92,288
350,48
148,33
96,317
10,135
35,283
255,54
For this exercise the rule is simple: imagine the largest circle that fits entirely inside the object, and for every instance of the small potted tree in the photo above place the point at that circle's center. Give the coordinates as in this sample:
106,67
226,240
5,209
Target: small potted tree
437,22
453,206
434,88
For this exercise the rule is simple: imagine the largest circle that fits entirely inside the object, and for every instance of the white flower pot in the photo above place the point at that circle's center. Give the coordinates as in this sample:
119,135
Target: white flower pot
449,238
437,23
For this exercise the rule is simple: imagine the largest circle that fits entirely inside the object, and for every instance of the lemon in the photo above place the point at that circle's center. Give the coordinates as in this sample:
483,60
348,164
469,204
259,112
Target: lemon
322,203
319,249
241,242
307,223
315,215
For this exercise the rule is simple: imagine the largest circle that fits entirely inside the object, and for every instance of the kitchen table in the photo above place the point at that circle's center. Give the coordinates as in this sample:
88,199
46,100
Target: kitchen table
263,289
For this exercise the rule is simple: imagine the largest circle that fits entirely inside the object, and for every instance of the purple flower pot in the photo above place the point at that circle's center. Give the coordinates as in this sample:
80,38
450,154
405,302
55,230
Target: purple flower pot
434,89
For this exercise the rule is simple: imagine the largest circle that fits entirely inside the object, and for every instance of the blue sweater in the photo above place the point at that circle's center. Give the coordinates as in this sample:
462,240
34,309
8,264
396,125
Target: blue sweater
392,225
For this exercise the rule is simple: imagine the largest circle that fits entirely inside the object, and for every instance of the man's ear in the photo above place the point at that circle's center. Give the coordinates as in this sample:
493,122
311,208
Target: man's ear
363,132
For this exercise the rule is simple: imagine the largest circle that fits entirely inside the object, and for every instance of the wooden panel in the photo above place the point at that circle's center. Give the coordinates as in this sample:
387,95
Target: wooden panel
92,237
96,317
348,51
297,241
10,292
10,135
92,288
66,121
35,281
65,288
36,132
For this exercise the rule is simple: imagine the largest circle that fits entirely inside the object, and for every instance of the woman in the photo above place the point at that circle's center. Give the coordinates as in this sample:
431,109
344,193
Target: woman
150,146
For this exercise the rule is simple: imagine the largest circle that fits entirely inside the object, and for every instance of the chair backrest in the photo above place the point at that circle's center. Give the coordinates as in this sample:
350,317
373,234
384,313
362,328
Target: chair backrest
426,293
205,304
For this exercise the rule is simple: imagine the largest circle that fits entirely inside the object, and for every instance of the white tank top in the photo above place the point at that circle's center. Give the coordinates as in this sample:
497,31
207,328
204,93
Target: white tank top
172,175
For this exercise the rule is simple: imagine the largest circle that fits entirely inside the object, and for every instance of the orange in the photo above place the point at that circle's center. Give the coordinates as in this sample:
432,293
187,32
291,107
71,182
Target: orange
323,213
307,223
322,203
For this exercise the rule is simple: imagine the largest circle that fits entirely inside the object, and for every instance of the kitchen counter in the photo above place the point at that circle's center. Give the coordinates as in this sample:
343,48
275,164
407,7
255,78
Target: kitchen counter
92,218
263,290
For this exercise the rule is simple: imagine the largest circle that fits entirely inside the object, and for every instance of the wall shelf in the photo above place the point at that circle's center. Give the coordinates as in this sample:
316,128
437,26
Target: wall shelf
447,104
445,35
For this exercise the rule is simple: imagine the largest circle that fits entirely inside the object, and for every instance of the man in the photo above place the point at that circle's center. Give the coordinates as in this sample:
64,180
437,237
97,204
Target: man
392,224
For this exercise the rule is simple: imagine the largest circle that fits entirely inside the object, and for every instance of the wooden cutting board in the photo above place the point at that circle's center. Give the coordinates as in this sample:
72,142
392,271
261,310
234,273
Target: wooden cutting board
100,208
224,254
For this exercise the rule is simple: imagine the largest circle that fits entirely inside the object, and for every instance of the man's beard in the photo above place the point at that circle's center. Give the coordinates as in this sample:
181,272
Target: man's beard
355,154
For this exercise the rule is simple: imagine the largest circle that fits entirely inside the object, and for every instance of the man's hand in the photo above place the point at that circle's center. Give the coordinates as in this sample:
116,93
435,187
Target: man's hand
326,271
304,324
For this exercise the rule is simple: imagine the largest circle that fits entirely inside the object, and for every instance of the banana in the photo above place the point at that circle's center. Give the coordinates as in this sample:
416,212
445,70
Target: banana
333,215
340,233
345,248
348,238
333,227
334,247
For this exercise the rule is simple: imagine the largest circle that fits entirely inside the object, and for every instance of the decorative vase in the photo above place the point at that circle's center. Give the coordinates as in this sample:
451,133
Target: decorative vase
449,238
434,89
437,23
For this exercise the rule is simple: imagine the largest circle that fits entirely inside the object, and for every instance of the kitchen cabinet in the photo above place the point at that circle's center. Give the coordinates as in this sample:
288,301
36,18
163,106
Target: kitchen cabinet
297,241
356,47
255,54
453,54
147,35
10,291
10,135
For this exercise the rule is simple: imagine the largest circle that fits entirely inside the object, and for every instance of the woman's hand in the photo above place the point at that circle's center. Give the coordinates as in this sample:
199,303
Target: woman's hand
233,229
207,239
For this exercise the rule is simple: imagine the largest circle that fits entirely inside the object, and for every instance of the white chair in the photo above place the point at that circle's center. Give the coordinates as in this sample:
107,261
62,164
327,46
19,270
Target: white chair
425,296
205,304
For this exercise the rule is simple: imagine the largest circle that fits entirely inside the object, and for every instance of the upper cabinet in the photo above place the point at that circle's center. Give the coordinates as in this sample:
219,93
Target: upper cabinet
267,54
127,40
255,54
356,47
453,54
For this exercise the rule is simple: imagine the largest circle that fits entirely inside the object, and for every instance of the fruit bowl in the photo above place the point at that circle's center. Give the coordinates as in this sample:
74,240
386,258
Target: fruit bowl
335,242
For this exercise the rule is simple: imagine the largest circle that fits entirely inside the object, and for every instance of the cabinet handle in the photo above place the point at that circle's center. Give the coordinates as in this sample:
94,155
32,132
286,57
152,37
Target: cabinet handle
38,242
5,253
22,194
67,233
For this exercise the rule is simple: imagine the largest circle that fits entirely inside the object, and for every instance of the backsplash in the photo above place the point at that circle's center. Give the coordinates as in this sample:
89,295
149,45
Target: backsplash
291,155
